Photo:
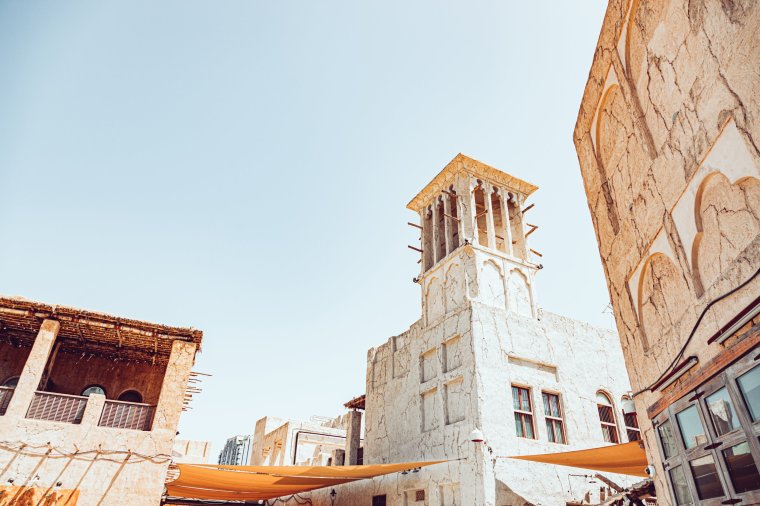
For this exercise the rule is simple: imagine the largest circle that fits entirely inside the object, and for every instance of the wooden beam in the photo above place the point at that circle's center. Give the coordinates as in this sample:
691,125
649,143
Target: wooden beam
415,249
413,225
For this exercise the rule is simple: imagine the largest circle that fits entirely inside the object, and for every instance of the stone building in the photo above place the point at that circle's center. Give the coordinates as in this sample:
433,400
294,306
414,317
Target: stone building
484,355
89,405
278,442
187,451
668,138
236,451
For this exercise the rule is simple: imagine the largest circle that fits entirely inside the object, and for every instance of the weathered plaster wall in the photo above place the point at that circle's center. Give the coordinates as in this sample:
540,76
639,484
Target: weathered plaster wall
278,442
667,139
430,386
71,374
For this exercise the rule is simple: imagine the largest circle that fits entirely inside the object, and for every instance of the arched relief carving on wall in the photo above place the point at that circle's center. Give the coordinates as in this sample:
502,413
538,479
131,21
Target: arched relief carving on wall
643,19
492,284
518,293
727,218
663,298
455,289
610,83
434,299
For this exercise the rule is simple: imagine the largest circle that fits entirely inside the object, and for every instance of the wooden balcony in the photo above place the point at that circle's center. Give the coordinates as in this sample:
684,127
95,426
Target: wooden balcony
126,415
57,407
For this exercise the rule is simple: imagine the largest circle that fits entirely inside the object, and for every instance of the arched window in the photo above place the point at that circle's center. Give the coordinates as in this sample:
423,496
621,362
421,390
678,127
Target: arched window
630,420
131,396
607,417
11,382
94,389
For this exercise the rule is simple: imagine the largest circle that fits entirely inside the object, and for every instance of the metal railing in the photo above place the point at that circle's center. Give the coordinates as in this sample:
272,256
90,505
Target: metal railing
57,407
126,415
5,398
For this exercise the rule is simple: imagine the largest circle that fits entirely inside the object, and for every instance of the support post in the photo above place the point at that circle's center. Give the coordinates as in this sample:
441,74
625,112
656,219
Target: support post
491,233
504,196
30,378
169,407
447,225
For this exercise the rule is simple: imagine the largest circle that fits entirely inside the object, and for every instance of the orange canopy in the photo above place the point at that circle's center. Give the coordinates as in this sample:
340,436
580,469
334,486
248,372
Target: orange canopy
627,458
205,481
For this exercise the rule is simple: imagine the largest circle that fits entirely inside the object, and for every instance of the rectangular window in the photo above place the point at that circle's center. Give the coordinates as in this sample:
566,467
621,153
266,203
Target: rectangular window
669,447
722,412
692,432
378,500
706,477
607,418
523,412
632,426
749,385
741,468
555,426
680,489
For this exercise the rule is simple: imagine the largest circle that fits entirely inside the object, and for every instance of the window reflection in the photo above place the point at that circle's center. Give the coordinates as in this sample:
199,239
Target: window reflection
722,412
692,432
666,438
681,491
749,384
742,468
706,477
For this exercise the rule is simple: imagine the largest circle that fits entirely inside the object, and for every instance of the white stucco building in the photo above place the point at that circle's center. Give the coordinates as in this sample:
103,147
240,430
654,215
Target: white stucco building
484,355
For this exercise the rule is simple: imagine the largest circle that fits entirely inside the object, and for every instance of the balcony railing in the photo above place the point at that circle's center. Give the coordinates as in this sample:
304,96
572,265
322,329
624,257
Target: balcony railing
5,398
126,415
57,407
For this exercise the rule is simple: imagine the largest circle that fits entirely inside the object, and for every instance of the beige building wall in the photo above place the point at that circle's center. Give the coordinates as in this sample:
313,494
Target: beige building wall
668,138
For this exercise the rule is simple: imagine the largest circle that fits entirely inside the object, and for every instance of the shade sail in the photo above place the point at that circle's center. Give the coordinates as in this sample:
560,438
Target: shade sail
205,481
627,458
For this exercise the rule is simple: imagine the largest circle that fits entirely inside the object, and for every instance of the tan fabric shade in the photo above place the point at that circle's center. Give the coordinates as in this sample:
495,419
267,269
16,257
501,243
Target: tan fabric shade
627,458
204,481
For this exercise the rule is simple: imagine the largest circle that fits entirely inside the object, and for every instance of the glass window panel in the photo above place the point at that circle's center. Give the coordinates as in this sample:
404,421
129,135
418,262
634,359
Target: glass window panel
722,412
518,426
550,430
680,489
706,477
692,432
546,404
742,468
515,398
669,447
528,426
602,398
749,384
560,433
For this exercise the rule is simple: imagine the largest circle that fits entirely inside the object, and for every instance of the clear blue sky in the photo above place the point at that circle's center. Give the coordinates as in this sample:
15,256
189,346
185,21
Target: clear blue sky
243,167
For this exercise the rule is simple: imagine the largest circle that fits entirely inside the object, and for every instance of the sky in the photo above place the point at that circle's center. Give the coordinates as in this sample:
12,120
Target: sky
243,167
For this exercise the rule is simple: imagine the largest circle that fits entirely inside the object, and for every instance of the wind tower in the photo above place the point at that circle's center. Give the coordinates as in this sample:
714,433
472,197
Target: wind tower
474,240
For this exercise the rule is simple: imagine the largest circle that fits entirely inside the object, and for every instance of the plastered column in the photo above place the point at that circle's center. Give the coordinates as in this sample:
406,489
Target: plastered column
353,437
33,369
169,406
507,227
93,409
447,223
488,189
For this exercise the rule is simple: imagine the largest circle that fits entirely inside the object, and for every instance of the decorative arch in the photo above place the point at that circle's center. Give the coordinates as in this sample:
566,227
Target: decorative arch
663,296
492,279
518,293
727,219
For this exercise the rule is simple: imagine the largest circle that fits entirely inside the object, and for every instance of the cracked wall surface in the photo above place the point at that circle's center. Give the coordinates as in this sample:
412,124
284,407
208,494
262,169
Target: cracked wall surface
464,362
667,140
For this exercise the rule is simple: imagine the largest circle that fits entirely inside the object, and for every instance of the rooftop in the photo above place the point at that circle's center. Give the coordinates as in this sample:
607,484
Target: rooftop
84,331
463,163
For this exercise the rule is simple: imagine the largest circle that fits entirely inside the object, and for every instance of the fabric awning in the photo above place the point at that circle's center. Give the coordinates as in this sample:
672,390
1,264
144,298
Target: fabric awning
627,458
207,481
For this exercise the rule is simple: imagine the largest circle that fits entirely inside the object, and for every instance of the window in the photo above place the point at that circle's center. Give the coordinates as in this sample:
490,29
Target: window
749,385
709,441
630,420
378,500
94,389
131,396
607,418
523,412
553,413
11,382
